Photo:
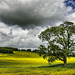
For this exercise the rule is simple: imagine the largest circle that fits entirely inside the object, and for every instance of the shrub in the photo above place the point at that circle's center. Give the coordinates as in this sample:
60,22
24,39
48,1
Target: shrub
5,50
28,50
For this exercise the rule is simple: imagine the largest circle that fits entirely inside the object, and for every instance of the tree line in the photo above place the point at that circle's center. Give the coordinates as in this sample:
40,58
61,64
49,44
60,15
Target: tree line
8,49
29,50
11,49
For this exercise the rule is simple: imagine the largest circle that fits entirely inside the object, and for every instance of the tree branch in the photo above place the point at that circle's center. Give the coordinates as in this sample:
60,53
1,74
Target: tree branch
60,58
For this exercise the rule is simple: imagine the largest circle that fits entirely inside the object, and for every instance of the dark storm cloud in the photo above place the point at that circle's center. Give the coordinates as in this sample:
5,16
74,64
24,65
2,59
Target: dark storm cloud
23,14
27,13
16,12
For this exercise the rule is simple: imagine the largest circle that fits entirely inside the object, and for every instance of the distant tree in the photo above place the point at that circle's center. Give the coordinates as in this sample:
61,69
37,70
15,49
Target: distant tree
5,50
60,43
35,51
23,50
14,49
11,48
8,49
28,50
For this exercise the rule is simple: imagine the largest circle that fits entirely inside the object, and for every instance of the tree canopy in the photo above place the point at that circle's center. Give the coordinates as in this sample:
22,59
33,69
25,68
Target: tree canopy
60,42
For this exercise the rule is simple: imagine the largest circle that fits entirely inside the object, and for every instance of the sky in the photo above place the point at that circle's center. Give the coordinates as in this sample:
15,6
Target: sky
21,21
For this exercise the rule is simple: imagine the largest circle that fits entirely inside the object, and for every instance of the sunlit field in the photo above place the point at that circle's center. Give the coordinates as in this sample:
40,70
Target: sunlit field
29,63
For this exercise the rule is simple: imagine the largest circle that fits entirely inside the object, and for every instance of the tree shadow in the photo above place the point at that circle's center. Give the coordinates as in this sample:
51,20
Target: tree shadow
56,65
69,65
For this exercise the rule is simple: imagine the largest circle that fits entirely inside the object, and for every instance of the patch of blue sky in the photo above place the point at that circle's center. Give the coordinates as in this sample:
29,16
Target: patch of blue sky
70,3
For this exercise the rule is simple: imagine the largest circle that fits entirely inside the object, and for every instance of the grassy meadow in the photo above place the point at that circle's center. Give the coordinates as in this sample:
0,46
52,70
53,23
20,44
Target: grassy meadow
29,63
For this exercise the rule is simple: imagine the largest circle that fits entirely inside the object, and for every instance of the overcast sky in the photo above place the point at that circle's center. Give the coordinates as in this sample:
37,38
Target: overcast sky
22,20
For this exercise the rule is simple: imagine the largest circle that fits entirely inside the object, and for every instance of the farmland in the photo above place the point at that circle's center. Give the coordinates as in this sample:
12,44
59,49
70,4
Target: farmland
29,63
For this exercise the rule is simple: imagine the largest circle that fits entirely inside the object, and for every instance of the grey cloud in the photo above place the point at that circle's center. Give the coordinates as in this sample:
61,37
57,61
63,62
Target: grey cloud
4,38
17,37
30,13
18,14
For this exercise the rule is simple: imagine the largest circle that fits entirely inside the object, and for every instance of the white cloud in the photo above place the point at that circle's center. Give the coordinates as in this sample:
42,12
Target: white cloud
17,37
25,14
29,13
71,17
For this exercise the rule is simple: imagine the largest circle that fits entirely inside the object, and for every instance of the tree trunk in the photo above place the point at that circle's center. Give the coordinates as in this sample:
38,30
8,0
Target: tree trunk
65,61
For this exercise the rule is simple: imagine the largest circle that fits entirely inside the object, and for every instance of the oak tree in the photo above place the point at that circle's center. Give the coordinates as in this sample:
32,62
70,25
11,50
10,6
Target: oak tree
60,42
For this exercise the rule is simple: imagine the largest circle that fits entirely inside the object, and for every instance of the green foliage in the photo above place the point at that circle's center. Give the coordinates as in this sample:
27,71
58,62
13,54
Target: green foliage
7,49
4,50
35,51
23,50
60,44
28,50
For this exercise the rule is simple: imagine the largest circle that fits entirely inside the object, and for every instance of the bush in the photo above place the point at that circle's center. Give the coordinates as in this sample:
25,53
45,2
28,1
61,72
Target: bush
28,50
35,51
6,50
3,50
11,48
22,50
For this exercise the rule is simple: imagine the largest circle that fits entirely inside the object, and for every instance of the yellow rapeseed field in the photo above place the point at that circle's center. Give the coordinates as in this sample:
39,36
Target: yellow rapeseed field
28,63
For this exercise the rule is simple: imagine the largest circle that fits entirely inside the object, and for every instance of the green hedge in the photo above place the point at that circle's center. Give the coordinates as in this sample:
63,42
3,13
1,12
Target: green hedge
11,48
7,49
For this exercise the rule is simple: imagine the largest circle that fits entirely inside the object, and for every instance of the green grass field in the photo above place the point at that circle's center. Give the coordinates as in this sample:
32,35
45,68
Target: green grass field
28,63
